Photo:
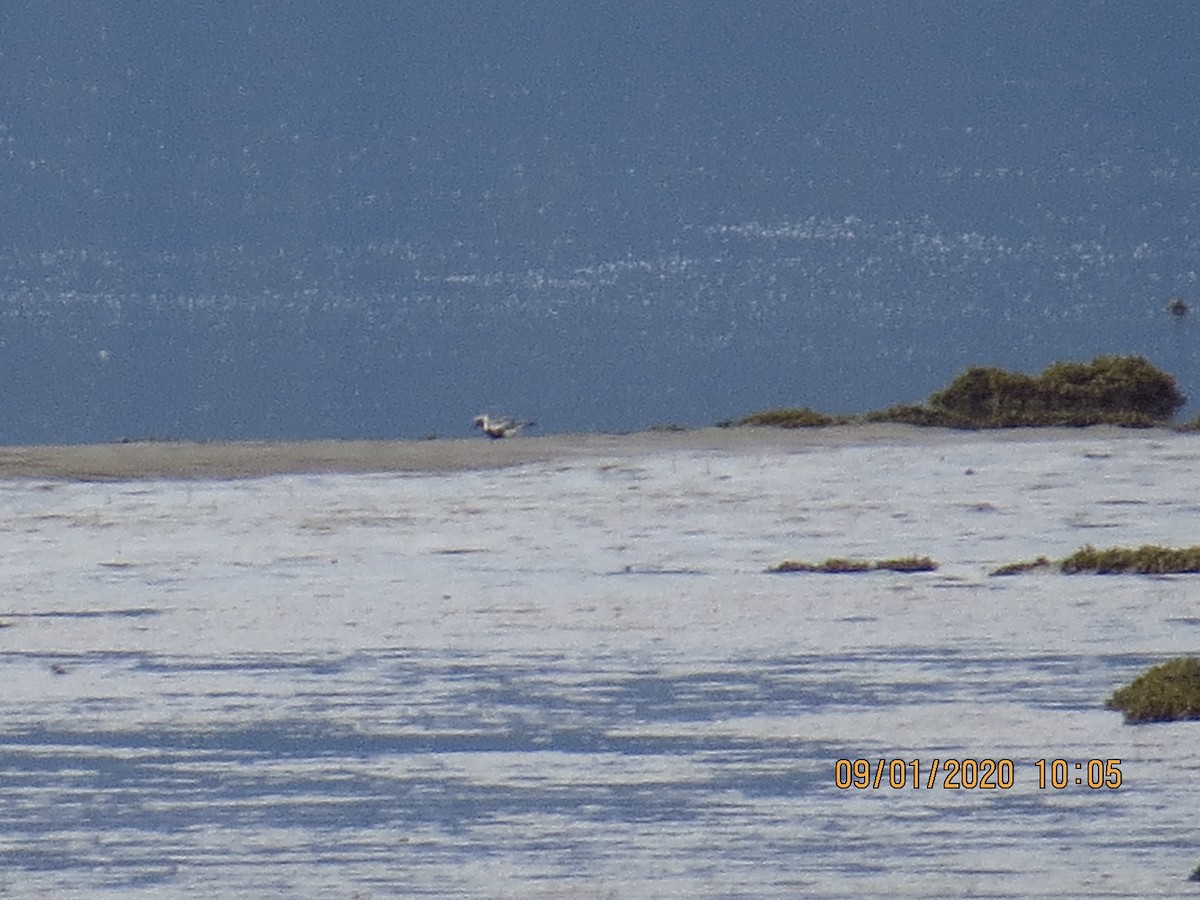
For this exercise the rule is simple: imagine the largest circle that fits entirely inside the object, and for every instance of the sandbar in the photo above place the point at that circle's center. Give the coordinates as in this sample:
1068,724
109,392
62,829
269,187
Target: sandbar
253,459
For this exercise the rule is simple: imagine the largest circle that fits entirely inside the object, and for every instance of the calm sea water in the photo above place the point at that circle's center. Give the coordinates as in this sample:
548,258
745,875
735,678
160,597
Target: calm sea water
575,678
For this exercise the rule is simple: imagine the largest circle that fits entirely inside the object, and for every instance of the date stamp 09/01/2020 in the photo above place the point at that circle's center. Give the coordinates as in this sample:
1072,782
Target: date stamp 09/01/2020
973,774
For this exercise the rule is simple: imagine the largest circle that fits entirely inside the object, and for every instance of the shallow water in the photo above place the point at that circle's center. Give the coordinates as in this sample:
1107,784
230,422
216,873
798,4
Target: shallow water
574,677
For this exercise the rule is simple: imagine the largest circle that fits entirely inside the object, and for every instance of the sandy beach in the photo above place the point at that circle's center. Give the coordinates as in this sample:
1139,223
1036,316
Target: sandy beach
253,459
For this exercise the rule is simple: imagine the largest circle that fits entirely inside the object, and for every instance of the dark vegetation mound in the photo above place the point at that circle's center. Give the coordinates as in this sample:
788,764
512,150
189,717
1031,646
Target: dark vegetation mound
1164,693
1116,390
1111,390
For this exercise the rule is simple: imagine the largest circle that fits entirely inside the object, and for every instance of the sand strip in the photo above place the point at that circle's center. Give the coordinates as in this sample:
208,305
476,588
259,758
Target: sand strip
251,459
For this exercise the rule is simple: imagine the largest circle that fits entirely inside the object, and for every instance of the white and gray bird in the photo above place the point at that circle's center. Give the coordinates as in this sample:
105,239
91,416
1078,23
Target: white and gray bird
501,426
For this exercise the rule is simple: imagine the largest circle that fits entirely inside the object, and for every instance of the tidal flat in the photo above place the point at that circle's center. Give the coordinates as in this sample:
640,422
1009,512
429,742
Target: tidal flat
558,664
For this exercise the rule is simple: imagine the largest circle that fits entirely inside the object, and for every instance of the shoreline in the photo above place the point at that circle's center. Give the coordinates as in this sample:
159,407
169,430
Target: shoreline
219,460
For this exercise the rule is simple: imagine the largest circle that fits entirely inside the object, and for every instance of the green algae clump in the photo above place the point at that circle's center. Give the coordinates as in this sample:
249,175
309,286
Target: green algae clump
792,417
1165,693
1148,559
1019,568
839,566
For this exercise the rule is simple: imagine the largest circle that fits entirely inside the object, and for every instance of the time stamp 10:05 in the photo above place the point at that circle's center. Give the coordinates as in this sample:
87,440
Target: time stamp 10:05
973,774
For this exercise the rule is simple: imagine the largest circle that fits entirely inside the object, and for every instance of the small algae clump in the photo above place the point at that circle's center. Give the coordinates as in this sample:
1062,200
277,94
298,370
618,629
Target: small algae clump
1148,559
833,565
1164,693
1018,568
908,414
792,417
907,564
838,566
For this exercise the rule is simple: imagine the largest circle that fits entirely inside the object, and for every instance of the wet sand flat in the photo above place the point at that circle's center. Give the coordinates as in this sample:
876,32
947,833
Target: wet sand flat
252,459
578,675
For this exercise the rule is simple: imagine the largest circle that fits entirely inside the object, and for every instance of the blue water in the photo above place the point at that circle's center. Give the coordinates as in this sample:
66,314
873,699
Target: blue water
378,222
726,323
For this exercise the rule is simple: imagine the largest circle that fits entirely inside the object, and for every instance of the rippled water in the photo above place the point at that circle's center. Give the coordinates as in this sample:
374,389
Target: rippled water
576,678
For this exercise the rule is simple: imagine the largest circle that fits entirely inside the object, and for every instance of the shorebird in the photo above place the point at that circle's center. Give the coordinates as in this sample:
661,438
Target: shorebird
504,426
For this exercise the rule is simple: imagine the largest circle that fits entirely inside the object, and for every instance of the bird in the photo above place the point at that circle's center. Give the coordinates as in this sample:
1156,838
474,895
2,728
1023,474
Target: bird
500,427
1178,307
